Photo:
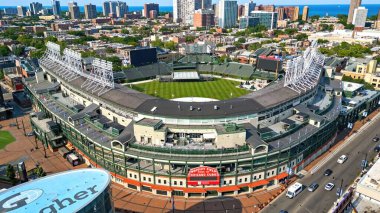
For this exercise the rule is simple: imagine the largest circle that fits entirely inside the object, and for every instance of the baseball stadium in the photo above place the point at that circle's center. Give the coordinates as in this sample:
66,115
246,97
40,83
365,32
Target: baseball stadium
191,131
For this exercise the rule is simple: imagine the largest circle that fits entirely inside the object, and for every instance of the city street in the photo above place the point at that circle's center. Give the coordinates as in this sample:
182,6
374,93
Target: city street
322,200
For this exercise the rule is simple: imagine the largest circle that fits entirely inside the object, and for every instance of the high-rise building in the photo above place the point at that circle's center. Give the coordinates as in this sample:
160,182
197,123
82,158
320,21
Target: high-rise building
267,8
241,10
150,6
183,10
153,14
90,11
291,13
227,13
121,9
106,8
204,18
248,21
206,4
35,7
10,11
115,8
74,10
360,16
249,7
21,11
305,13
267,19
377,23
353,5
56,7
281,13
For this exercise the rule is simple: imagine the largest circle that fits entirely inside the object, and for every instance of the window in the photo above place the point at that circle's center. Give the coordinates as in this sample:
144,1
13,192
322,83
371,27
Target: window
175,182
150,179
268,173
130,175
135,176
259,176
272,172
224,182
254,177
230,182
144,178
240,180
180,183
164,181
159,180
245,179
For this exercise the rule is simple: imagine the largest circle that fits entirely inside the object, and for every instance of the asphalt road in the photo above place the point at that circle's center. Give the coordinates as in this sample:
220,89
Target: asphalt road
321,200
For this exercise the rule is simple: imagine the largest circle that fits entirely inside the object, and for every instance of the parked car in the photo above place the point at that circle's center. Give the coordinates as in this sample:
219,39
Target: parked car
339,192
329,186
377,148
375,139
30,134
312,187
328,172
342,159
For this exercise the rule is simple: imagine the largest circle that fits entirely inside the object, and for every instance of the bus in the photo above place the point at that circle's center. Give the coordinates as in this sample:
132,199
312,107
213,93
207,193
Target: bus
294,190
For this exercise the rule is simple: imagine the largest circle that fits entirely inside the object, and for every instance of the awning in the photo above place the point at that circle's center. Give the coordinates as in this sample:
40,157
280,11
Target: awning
281,176
162,188
194,190
258,183
228,189
133,182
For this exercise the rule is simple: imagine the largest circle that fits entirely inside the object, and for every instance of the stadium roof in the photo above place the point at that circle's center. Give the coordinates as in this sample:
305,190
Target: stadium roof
185,76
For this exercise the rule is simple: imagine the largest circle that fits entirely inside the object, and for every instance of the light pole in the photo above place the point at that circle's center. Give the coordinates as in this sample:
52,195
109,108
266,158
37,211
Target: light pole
341,188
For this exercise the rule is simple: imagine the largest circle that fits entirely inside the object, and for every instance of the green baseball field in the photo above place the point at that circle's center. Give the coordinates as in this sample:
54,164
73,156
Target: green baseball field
220,89
5,138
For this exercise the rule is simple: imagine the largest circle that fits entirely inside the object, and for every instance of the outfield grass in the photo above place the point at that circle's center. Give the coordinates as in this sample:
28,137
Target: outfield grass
220,89
5,138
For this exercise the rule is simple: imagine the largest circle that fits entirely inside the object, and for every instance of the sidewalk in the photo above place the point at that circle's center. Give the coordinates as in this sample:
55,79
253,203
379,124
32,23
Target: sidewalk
126,200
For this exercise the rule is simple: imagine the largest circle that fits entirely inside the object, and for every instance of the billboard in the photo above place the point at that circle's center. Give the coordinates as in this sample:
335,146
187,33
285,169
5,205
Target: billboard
143,56
203,175
270,63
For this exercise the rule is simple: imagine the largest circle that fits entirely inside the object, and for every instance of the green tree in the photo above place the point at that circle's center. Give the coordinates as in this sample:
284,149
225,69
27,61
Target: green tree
157,43
254,46
314,18
37,53
1,74
242,40
10,172
4,50
40,172
301,37
19,50
322,41
189,38
171,45
290,31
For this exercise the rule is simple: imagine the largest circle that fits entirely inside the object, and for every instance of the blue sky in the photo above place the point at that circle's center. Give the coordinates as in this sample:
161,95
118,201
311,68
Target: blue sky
170,2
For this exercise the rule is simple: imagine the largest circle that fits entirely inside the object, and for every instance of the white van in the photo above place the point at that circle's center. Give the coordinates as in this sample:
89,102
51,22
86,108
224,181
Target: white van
294,190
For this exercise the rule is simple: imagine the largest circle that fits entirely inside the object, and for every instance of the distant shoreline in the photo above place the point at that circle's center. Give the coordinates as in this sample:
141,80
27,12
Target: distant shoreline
314,9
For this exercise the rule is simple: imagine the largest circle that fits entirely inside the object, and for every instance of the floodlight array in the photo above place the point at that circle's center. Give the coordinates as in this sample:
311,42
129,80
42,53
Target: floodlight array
100,78
303,72
70,66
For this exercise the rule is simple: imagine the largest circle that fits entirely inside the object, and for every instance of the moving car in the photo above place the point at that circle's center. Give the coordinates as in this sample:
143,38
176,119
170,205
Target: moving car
30,133
328,172
312,187
342,159
329,186
375,139
294,190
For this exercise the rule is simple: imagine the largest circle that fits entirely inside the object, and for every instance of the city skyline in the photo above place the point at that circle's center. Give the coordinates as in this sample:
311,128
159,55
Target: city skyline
170,2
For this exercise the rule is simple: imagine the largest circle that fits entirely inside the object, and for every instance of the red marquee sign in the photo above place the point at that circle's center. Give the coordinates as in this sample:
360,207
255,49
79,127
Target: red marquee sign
203,175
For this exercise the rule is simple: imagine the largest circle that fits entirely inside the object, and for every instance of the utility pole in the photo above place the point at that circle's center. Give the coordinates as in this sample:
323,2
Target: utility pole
35,140
341,188
23,127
